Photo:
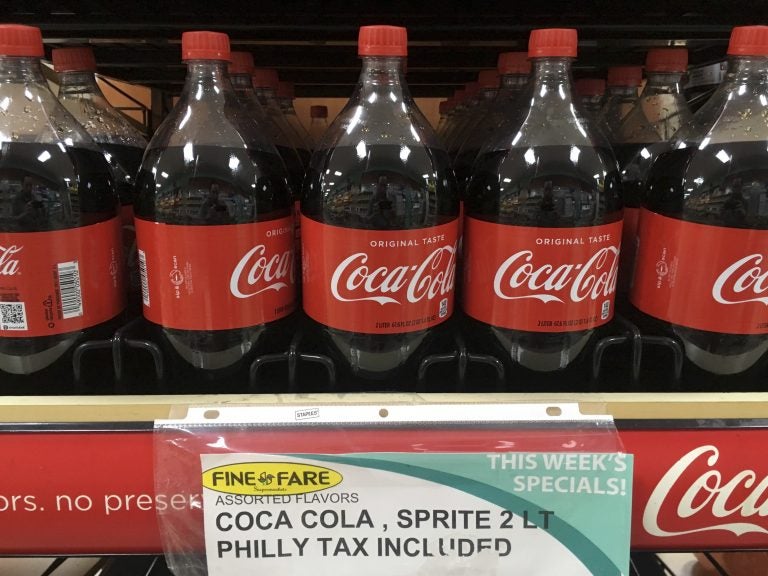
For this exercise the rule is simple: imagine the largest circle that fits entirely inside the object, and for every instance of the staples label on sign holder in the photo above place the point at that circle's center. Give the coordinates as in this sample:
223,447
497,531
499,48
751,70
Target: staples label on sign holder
415,493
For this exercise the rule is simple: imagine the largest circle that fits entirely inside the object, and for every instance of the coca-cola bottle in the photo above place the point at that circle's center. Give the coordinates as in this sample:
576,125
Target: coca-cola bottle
477,131
61,277
700,267
467,118
285,95
644,134
318,124
123,145
214,224
456,116
622,84
591,92
514,69
542,222
379,220
265,86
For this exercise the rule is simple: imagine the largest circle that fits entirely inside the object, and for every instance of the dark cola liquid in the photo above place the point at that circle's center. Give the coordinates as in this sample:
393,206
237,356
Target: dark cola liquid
697,186
380,187
635,163
547,187
211,186
293,165
47,187
125,161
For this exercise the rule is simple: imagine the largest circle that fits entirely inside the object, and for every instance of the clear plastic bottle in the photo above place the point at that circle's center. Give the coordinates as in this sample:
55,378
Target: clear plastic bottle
703,231
285,95
467,118
645,133
622,83
476,132
542,224
318,124
265,86
214,222
591,93
60,236
122,143
456,115
379,221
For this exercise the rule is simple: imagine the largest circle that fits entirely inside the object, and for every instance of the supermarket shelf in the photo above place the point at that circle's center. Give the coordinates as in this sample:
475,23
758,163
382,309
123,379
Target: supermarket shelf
705,445
622,406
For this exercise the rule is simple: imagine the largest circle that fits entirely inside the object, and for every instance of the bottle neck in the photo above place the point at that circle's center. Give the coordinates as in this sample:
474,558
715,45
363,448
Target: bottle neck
241,82
663,83
488,94
78,83
207,77
622,91
746,71
20,69
382,73
514,82
552,74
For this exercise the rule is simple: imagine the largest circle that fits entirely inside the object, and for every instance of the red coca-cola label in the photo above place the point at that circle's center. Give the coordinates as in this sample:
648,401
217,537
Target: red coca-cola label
378,281
628,247
61,281
706,491
540,279
216,277
704,277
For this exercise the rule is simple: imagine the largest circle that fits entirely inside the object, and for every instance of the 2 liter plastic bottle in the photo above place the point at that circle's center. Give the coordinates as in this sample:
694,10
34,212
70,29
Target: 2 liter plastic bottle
542,224
123,145
379,220
703,231
213,221
61,277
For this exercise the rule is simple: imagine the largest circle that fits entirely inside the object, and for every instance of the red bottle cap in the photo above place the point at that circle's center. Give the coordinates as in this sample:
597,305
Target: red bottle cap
590,86
382,41
20,40
205,46
285,90
488,79
459,95
553,42
749,41
625,76
318,111
443,107
264,78
240,63
666,60
73,59
513,63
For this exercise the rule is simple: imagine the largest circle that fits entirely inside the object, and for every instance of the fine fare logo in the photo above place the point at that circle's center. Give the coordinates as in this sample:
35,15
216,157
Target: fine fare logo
284,478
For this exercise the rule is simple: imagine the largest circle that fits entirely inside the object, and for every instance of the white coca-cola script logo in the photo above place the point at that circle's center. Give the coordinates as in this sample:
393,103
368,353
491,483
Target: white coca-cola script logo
519,277
261,272
355,281
741,277
710,496
8,264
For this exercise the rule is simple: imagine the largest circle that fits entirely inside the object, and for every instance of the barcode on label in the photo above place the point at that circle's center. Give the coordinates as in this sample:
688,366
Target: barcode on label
69,290
13,316
143,273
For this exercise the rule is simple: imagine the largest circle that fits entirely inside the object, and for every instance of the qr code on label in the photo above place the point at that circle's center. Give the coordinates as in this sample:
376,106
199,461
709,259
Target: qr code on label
443,307
13,316
606,310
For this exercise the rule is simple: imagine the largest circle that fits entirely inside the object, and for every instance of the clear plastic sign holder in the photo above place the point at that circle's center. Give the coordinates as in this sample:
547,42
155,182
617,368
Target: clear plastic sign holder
399,460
